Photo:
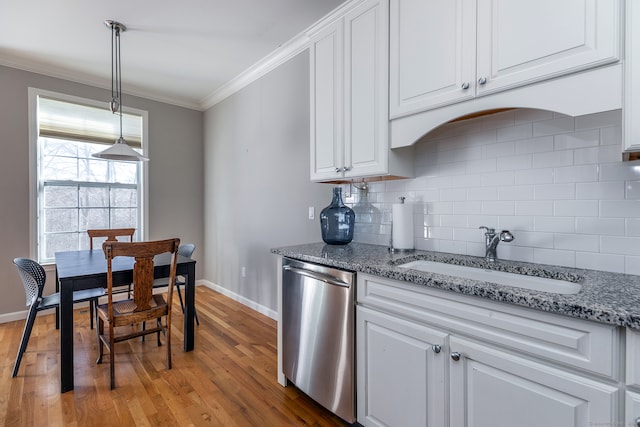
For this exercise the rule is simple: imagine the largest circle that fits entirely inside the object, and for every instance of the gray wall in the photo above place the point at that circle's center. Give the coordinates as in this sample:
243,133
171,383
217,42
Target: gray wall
175,171
257,188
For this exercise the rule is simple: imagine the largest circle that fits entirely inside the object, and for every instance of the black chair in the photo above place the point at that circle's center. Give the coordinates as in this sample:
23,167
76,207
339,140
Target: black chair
185,250
34,278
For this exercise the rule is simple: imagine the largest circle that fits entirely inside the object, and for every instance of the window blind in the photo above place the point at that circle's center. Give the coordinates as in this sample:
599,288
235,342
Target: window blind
77,122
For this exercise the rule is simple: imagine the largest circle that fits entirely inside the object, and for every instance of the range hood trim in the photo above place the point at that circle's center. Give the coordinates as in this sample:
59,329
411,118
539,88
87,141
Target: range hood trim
578,94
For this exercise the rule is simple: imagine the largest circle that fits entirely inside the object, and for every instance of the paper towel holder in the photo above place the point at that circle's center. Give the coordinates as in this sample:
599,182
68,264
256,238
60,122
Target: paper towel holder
391,248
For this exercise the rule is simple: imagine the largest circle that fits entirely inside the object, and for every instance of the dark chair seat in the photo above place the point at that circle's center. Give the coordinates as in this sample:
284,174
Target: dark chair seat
33,279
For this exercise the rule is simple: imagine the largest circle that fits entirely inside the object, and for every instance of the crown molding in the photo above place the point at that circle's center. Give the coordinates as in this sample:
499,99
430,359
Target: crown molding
276,58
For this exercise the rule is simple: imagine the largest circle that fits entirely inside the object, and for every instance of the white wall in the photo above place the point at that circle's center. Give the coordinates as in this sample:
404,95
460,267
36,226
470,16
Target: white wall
556,182
257,187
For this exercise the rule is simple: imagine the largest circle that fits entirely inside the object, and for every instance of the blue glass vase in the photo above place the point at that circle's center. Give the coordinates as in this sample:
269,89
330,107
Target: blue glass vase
337,221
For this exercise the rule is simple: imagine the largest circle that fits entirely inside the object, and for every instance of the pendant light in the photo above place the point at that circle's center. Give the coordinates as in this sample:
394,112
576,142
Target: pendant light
119,151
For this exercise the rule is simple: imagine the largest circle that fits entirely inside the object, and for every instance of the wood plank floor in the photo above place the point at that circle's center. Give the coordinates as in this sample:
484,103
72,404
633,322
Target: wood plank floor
228,380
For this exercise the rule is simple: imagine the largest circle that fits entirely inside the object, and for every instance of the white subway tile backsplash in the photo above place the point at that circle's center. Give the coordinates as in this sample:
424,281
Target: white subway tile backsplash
554,126
535,145
596,261
622,171
554,256
575,208
498,207
498,178
553,159
453,194
594,155
599,226
533,239
516,192
620,208
453,247
517,162
555,224
620,245
557,182
482,193
469,207
515,223
632,227
599,120
534,176
600,190
576,242
632,190
584,173
455,221
516,132
535,207
555,191
589,138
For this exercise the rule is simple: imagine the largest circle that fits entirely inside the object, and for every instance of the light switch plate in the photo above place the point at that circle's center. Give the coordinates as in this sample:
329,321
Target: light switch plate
312,212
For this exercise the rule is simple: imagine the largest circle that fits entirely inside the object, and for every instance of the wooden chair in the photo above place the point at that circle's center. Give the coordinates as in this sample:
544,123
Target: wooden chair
111,235
145,306
186,250
33,279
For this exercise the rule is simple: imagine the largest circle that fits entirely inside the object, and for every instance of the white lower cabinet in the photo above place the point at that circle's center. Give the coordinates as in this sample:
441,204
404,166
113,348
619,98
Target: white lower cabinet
401,372
490,387
433,358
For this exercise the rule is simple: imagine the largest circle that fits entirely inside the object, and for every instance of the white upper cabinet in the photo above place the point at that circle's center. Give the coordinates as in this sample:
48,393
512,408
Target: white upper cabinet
432,53
447,51
349,96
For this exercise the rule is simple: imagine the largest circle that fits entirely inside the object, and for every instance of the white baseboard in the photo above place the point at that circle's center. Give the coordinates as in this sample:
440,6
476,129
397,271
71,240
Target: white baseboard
242,300
21,315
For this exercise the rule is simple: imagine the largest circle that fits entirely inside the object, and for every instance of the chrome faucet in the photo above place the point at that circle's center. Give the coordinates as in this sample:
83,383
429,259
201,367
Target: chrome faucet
492,239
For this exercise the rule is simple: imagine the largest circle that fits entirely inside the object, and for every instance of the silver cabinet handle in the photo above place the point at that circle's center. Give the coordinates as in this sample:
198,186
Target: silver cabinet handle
455,356
482,80
338,170
436,348
346,168
465,85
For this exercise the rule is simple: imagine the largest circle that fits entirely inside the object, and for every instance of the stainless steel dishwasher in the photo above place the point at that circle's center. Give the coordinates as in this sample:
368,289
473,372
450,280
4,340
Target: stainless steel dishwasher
318,334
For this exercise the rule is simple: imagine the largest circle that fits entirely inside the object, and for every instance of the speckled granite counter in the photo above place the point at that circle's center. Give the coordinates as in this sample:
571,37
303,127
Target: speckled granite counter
604,297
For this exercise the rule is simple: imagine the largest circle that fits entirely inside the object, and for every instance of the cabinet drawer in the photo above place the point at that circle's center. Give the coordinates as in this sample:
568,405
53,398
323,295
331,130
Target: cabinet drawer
576,343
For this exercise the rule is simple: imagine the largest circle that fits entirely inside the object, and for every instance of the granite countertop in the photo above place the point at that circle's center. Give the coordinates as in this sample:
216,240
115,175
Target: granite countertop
605,297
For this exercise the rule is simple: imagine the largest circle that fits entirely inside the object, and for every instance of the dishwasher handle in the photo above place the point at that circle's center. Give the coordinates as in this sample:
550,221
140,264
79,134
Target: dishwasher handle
317,276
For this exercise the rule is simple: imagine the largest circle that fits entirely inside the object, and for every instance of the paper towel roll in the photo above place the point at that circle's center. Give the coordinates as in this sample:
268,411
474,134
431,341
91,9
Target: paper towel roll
402,226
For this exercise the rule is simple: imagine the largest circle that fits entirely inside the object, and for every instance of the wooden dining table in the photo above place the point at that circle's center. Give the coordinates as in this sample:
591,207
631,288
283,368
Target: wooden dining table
77,270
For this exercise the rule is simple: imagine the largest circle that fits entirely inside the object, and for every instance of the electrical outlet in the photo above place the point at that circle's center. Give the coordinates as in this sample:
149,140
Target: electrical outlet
312,212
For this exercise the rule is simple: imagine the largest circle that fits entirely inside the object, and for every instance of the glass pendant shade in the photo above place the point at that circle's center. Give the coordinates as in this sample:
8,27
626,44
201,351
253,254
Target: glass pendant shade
121,152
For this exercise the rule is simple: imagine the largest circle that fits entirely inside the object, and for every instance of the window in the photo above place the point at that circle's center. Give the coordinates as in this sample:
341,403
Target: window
75,191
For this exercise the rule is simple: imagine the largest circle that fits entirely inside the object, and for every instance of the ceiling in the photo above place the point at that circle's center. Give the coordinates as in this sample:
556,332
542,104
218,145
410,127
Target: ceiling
178,52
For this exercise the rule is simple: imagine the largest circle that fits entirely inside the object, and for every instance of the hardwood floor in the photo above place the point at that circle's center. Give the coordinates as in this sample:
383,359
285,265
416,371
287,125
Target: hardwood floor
228,380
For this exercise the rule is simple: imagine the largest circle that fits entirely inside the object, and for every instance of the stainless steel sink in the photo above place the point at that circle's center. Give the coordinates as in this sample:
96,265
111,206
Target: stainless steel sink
534,283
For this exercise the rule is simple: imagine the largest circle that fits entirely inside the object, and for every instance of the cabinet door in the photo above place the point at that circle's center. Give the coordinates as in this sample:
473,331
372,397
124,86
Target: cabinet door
490,387
327,153
632,409
400,376
520,42
366,89
432,53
